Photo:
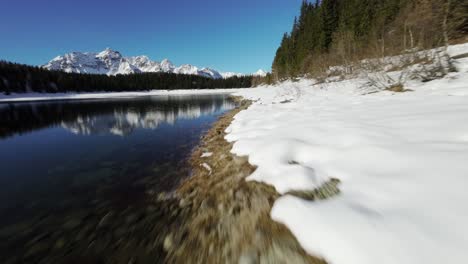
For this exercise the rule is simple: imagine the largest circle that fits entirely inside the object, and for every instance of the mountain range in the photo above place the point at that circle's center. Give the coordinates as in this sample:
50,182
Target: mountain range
112,62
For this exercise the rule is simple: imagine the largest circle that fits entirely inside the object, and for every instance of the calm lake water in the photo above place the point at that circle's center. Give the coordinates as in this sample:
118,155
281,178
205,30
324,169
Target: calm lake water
67,163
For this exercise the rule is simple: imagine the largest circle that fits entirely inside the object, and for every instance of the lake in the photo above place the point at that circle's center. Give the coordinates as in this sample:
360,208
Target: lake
68,168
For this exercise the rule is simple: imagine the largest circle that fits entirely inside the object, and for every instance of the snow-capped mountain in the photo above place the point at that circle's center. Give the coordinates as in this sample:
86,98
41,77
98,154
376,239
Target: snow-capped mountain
231,74
260,73
112,62
105,62
190,69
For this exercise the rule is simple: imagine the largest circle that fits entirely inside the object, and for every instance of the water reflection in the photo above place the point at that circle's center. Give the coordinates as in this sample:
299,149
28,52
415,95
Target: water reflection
118,117
68,166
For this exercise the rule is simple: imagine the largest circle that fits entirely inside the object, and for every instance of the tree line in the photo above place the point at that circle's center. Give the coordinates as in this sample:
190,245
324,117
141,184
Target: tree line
19,78
338,32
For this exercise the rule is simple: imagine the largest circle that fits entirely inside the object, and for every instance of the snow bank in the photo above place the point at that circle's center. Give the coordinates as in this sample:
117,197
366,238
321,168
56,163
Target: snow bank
402,159
22,97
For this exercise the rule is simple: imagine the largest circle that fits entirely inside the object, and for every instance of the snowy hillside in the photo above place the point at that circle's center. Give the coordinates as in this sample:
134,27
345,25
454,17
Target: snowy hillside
401,159
112,62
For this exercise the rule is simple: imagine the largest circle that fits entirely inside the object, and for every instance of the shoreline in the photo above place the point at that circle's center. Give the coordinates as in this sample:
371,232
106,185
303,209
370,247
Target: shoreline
122,219
226,219
213,216
44,97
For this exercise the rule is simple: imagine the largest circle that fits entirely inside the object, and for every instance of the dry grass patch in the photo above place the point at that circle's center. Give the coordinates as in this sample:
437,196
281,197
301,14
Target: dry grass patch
227,219
398,88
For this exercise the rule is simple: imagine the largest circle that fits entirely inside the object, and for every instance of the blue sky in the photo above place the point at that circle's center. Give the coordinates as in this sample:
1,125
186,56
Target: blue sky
229,35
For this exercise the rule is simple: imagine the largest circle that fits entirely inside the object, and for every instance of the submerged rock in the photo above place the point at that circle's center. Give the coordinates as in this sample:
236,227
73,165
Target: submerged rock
168,242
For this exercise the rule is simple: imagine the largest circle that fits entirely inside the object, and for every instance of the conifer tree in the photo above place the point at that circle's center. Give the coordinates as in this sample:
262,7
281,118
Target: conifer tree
331,32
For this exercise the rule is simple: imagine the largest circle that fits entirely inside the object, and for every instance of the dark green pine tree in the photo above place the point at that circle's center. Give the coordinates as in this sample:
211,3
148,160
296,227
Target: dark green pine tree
329,19
22,78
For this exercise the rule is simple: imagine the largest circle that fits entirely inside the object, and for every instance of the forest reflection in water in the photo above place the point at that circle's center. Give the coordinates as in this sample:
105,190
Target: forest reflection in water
117,116
66,165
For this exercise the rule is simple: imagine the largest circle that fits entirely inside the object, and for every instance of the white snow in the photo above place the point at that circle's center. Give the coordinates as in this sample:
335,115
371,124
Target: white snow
206,154
260,73
23,97
402,159
207,167
231,74
167,66
112,62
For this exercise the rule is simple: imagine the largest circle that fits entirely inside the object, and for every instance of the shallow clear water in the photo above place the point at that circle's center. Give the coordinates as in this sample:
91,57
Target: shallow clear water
57,158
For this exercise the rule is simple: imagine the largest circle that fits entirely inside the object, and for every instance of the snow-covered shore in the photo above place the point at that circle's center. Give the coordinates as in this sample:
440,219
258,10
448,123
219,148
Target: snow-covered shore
402,159
24,97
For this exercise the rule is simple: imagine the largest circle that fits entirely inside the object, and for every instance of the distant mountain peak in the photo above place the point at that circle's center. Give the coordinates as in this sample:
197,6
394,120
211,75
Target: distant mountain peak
109,53
167,65
260,73
112,62
166,61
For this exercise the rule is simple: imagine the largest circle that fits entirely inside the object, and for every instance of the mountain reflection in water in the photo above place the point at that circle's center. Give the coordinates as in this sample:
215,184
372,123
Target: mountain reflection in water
67,165
119,116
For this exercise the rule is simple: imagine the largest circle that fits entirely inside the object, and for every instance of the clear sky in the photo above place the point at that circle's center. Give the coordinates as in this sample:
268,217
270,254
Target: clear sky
227,35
